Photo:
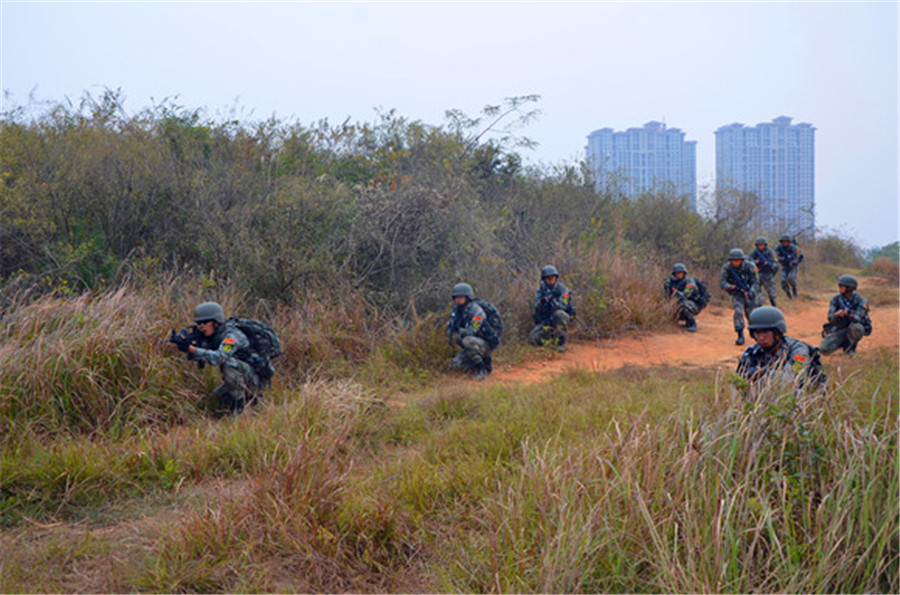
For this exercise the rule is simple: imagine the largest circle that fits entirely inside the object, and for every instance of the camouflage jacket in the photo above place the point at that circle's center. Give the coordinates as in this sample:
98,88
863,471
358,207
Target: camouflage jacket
765,260
687,287
466,320
549,299
788,256
856,304
228,342
793,361
744,274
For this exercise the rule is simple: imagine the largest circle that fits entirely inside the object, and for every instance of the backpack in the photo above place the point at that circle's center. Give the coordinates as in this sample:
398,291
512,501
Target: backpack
702,294
492,327
264,345
815,372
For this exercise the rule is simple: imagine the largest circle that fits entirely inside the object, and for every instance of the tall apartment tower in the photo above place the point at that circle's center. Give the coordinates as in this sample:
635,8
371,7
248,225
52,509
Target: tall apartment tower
775,160
650,158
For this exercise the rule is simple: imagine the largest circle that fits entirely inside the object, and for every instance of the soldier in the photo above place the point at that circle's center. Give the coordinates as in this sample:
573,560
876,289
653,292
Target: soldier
468,322
691,294
221,343
767,265
553,310
777,357
739,279
789,256
848,318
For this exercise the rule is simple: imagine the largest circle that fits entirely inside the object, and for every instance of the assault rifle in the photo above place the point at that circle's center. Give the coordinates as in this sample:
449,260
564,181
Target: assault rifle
183,339
766,262
735,279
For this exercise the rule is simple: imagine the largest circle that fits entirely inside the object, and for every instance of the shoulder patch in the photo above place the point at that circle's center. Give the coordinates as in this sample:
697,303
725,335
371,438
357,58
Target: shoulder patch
476,322
800,358
228,344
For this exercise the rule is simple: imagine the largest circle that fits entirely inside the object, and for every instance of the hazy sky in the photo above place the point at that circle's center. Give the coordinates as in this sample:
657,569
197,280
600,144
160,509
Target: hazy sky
697,66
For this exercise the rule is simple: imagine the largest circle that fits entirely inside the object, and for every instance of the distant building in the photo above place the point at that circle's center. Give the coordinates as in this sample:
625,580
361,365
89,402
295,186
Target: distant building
646,159
775,161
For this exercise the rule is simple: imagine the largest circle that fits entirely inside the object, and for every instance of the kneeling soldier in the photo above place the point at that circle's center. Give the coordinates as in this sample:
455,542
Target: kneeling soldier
468,323
848,318
691,294
219,342
553,310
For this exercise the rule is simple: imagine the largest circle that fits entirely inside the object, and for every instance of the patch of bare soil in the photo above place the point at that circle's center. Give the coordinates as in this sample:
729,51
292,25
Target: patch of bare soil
712,344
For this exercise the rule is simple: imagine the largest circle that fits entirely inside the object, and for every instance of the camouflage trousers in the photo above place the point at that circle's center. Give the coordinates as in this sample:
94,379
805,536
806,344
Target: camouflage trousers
767,284
551,329
789,281
742,307
240,385
846,337
686,310
474,355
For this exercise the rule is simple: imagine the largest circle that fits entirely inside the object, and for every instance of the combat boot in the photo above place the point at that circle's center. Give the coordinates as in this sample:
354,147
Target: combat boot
690,323
482,373
850,349
561,345
740,338
488,363
771,299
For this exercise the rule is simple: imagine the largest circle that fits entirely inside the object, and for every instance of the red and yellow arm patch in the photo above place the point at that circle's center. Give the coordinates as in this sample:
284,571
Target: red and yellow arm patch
800,358
476,322
228,345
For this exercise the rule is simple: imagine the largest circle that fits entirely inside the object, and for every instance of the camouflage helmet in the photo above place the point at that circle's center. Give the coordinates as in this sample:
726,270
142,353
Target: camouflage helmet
761,240
209,311
848,281
679,268
462,290
549,271
785,238
767,317
736,254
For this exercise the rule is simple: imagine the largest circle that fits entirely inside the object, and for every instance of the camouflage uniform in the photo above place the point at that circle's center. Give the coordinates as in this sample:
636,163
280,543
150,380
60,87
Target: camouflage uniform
227,349
789,364
475,353
767,265
690,302
789,257
845,331
553,310
743,305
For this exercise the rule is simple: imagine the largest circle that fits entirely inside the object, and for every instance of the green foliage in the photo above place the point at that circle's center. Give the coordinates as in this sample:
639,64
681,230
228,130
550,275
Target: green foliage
890,251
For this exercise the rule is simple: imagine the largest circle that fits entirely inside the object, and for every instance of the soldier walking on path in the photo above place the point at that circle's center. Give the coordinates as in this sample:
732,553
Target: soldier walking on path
789,257
691,294
767,265
848,318
553,310
739,279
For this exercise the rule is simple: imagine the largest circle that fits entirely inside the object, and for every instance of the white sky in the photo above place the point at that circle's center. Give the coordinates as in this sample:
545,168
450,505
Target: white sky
696,65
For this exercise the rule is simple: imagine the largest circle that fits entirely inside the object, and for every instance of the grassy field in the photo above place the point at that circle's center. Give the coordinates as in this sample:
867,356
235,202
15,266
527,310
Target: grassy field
114,478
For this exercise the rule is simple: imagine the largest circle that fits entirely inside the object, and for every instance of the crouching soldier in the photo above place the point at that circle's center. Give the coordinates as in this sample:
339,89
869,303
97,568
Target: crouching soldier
219,342
848,318
777,358
472,328
739,279
553,310
691,294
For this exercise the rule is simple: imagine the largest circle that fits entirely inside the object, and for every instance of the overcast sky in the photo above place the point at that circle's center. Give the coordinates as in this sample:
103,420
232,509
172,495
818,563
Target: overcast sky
696,66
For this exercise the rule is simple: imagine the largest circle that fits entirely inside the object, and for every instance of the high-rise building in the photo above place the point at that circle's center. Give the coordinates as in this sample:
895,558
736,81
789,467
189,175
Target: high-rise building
647,159
775,161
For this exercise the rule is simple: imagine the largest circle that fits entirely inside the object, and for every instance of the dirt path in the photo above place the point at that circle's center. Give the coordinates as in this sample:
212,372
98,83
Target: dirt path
712,345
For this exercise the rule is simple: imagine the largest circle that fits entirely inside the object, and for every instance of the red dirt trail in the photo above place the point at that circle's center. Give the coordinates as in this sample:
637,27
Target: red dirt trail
712,344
